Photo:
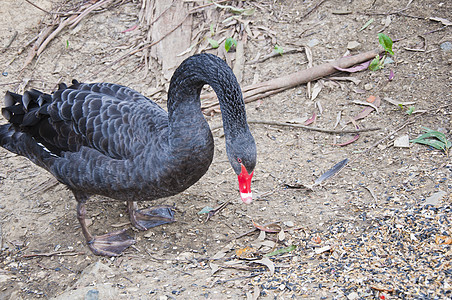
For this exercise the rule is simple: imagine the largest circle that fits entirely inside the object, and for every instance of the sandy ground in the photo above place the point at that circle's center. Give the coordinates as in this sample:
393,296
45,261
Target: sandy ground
345,230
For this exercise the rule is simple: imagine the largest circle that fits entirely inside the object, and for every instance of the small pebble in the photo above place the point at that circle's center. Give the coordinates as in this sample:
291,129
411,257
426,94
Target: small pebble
92,295
352,45
288,223
313,43
368,86
402,142
5,73
446,46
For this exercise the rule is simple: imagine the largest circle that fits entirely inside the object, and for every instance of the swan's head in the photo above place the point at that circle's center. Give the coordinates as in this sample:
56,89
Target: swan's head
241,152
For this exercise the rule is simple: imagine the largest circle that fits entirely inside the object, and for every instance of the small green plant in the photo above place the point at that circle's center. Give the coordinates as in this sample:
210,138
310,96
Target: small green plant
279,49
213,43
410,110
386,42
434,139
229,42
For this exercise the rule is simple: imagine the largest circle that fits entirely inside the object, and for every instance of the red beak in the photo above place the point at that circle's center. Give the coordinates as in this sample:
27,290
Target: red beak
245,185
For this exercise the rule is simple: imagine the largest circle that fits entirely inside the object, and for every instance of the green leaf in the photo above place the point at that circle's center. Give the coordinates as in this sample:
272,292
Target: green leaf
435,134
367,24
386,42
433,143
279,49
282,250
228,43
401,105
375,64
67,44
212,30
434,139
213,43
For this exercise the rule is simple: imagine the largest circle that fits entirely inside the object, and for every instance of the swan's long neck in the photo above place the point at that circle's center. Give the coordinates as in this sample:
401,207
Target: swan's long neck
184,107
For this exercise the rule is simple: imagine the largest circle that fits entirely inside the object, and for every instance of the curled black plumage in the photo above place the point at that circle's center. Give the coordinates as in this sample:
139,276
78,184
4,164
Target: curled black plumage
107,139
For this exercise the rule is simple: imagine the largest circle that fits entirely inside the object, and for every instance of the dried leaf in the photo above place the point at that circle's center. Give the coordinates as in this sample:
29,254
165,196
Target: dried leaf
319,106
281,235
338,118
316,240
316,89
268,263
222,252
311,119
367,24
366,111
443,21
391,75
258,244
352,140
322,249
366,103
272,228
398,103
218,255
247,252
382,288
443,240
214,267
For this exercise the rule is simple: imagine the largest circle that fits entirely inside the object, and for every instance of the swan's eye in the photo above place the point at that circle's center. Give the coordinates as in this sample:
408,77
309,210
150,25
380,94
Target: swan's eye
239,160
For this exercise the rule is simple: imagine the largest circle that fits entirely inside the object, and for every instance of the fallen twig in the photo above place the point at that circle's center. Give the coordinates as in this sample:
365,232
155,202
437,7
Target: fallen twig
49,34
11,40
141,48
41,9
389,135
305,127
216,210
312,9
273,54
53,253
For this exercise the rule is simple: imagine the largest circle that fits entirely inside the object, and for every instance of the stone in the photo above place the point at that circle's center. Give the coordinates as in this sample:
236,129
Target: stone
402,141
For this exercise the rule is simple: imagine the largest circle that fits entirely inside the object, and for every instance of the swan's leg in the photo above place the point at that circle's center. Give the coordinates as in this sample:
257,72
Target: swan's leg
143,219
110,244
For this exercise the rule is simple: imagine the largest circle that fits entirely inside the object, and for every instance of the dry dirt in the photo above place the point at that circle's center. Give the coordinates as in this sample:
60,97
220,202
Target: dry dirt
172,261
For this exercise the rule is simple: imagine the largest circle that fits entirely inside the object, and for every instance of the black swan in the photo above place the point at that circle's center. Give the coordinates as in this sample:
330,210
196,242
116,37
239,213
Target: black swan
108,139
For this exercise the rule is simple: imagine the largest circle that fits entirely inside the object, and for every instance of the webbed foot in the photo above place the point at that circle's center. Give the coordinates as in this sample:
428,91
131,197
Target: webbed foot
110,244
143,219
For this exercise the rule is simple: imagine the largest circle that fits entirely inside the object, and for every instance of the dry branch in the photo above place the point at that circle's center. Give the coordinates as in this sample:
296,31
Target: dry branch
48,34
267,88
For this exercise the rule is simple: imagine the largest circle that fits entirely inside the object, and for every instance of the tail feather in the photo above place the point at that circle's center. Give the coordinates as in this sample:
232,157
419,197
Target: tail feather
20,135
24,145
